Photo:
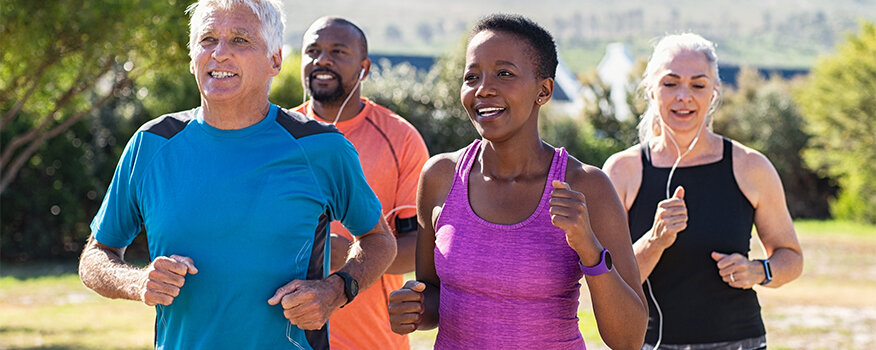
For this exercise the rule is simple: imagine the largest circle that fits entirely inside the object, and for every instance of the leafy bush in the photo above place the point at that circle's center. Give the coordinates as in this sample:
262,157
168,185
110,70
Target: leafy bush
761,114
429,100
839,104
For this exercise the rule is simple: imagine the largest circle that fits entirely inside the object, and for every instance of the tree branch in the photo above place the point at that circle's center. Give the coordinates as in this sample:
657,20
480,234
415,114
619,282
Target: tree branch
7,118
11,172
34,132
33,80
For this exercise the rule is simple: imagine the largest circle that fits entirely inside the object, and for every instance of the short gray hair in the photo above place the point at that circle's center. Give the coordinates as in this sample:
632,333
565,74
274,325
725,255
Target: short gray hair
269,12
665,50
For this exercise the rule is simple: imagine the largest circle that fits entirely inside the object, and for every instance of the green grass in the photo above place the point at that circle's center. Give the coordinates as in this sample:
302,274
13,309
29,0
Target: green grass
831,306
58,312
833,227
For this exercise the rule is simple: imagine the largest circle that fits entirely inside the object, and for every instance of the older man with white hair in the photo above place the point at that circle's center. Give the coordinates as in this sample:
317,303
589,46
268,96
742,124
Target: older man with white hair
235,197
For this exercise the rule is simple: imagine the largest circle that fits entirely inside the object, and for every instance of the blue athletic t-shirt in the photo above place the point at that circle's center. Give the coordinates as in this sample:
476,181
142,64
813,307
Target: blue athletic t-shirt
249,206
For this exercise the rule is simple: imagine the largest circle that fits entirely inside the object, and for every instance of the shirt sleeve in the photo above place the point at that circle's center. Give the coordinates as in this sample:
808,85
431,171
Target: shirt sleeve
118,221
413,156
352,201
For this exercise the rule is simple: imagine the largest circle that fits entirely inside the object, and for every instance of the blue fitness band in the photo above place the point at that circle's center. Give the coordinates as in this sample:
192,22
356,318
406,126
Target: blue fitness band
767,271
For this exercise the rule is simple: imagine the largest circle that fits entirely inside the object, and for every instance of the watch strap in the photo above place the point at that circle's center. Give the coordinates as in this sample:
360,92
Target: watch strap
767,271
602,267
349,288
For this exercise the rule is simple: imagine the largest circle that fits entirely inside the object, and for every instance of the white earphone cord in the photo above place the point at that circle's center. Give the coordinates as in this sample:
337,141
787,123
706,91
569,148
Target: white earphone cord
693,143
341,110
358,84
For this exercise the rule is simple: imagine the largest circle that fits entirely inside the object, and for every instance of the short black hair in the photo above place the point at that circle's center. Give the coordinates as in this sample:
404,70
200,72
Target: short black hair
362,40
540,40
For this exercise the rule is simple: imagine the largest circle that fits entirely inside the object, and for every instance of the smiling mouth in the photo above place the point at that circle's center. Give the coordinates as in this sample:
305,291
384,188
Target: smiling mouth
489,111
683,112
222,75
323,75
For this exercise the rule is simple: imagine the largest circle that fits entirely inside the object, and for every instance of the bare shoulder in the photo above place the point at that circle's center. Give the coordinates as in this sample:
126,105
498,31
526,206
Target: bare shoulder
436,181
442,165
624,163
749,163
625,171
437,176
755,174
587,179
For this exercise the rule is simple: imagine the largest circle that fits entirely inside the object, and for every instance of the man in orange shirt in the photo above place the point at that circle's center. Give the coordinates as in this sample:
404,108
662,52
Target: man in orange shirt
334,61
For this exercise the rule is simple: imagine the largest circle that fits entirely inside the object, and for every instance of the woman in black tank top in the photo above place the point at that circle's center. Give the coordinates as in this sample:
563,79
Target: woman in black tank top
692,197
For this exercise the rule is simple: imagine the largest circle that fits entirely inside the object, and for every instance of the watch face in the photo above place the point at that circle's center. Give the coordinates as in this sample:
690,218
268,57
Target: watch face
354,287
608,264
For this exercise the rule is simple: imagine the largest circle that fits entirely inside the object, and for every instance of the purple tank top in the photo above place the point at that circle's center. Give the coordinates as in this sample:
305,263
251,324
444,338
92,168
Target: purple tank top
505,286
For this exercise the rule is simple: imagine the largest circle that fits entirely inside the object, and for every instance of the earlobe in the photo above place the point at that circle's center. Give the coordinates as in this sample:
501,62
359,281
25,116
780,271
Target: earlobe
546,91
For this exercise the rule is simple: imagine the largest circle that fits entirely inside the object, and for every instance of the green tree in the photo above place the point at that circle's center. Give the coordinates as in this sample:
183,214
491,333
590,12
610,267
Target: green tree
286,89
596,133
83,75
761,114
839,104
429,100
63,60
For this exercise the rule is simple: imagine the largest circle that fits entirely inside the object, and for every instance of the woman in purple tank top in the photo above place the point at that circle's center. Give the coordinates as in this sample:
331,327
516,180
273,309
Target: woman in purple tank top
509,224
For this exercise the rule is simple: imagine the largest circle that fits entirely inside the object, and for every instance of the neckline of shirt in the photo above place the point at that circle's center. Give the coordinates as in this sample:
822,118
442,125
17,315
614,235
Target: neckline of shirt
236,133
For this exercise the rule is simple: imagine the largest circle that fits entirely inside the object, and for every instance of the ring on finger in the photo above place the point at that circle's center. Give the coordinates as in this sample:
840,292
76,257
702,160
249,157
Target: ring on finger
731,278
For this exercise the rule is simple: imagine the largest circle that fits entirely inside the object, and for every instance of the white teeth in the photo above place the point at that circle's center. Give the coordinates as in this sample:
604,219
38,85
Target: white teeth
220,75
684,112
490,111
324,76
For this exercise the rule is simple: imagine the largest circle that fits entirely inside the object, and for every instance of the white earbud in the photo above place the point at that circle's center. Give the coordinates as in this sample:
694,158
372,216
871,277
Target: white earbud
361,73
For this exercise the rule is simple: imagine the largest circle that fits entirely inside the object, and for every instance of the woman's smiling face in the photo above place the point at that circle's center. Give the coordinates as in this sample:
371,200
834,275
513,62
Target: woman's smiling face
684,91
500,88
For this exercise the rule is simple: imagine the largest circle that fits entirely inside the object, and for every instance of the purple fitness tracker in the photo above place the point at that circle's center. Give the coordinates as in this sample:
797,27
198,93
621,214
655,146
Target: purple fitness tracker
602,267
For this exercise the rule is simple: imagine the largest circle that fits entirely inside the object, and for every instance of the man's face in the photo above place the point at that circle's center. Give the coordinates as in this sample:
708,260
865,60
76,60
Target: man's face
230,60
331,61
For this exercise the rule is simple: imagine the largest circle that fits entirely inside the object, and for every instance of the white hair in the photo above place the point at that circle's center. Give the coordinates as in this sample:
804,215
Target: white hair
269,12
666,50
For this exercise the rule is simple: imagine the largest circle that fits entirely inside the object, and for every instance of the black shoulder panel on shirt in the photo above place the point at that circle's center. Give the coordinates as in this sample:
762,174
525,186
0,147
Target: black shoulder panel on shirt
169,125
300,126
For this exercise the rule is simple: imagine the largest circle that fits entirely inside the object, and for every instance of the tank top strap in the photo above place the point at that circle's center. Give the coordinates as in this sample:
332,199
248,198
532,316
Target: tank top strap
728,153
558,165
463,166
646,155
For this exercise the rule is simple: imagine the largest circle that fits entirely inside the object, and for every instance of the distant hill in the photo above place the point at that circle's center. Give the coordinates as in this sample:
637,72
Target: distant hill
764,33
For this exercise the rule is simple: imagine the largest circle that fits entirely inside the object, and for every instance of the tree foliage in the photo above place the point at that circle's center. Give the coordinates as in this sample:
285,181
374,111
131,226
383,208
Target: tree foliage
76,79
286,89
839,104
761,114
62,60
429,100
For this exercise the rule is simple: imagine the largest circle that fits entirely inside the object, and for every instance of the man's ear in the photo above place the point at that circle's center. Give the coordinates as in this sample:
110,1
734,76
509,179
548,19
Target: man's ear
365,69
277,61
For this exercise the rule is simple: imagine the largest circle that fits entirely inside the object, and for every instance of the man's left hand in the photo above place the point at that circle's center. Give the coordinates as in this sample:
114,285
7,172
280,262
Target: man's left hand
309,303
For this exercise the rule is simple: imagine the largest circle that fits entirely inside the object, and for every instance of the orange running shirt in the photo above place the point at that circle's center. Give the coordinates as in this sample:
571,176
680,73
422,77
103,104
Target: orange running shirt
392,153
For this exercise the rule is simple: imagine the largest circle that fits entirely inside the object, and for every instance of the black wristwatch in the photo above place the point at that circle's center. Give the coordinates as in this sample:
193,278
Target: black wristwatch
351,286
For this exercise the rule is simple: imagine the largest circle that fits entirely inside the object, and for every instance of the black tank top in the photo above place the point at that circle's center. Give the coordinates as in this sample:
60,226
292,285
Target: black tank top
697,306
